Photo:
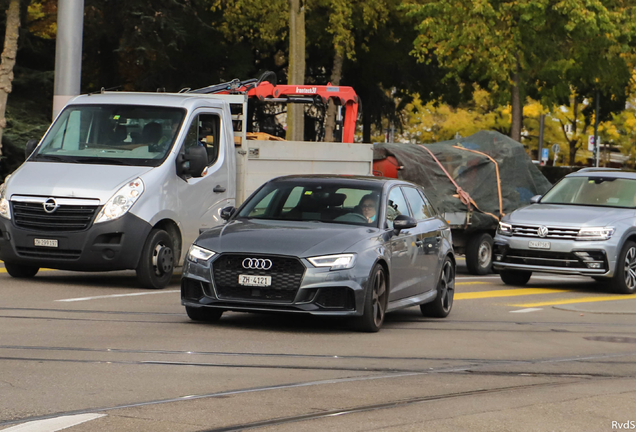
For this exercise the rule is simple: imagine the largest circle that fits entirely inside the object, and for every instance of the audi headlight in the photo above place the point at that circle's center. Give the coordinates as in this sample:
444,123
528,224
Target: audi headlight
121,202
504,229
334,262
5,210
196,253
595,233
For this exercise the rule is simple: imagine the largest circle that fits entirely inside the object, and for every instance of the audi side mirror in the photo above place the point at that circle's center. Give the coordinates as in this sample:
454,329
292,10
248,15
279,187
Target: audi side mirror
402,222
30,147
228,212
536,199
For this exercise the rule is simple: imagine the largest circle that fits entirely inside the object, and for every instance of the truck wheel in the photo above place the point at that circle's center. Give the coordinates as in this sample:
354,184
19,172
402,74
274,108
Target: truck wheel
515,277
156,264
204,314
479,254
624,280
21,271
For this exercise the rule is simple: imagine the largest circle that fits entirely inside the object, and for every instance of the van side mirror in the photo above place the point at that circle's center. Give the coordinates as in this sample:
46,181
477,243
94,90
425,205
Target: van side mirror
535,199
193,162
30,146
402,222
228,212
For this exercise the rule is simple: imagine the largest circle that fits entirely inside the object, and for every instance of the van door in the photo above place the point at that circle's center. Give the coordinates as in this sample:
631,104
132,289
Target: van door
202,198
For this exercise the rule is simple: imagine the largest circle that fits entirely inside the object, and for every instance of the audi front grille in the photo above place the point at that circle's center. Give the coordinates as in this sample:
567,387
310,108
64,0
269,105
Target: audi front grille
286,273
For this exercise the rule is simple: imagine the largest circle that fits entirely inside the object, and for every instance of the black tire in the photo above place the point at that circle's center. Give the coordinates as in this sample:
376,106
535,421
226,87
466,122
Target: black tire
515,277
204,313
21,271
375,301
443,303
156,263
624,280
479,254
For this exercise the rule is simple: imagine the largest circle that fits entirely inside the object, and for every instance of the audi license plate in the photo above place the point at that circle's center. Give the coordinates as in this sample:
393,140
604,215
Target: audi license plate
261,281
538,244
45,242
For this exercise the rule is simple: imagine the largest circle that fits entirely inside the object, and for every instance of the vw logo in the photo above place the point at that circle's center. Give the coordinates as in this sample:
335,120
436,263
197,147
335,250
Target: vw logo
257,264
50,205
543,231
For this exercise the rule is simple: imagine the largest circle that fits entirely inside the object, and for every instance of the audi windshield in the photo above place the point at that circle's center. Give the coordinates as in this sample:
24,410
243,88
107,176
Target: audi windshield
111,135
593,191
343,203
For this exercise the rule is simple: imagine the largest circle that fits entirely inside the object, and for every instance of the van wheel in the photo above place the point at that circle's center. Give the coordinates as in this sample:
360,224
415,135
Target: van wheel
156,264
624,280
443,303
21,271
204,313
515,277
479,254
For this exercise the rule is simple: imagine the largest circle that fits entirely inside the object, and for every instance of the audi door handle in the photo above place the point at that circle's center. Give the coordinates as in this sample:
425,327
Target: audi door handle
218,189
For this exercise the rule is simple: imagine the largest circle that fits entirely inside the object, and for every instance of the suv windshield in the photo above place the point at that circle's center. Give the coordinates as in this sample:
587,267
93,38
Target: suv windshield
111,135
593,191
333,203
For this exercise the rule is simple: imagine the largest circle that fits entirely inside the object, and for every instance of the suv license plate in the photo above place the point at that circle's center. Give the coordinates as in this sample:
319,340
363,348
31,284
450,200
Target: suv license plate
45,242
538,244
260,281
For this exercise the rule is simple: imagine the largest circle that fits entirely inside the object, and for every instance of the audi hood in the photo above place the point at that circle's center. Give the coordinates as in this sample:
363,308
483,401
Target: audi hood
301,239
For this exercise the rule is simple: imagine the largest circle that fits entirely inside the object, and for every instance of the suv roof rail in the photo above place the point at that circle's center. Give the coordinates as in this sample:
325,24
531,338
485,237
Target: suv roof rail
598,169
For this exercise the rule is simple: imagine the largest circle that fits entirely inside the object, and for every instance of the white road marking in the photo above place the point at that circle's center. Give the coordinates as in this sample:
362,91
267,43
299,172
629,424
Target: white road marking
117,295
54,424
526,310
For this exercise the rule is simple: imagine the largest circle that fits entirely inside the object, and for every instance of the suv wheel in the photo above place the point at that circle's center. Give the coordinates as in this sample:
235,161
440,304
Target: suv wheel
515,277
624,280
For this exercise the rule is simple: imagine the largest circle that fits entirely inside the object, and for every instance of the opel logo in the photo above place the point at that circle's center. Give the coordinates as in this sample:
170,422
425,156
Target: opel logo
257,264
50,205
543,231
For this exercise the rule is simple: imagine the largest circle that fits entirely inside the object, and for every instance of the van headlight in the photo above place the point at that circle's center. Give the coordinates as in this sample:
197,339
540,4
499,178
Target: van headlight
334,262
197,253
5,210
595,233
121,202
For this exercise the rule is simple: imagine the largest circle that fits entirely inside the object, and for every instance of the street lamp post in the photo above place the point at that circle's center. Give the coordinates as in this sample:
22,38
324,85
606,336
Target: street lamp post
68,52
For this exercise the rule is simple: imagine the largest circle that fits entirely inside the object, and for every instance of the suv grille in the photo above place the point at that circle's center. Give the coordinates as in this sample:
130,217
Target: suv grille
286,274
555,259
66,218
553,232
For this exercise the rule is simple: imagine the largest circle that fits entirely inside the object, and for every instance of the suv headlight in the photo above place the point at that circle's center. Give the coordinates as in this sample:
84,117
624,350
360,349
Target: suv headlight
121,202
196,253
5,210
504,229
335,262
595,233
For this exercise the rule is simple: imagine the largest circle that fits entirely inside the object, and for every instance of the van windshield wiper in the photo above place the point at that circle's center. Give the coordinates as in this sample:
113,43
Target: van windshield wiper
102,160
54,158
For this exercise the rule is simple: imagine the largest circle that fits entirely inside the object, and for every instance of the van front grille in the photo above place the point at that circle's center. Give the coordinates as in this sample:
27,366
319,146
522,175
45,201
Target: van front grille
32,216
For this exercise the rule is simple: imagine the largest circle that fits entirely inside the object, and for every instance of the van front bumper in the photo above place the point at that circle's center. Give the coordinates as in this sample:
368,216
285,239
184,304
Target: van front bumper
114,245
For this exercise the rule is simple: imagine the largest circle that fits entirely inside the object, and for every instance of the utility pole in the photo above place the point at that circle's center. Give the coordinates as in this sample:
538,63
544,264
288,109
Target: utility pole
296,75
68,52
597,149
541,126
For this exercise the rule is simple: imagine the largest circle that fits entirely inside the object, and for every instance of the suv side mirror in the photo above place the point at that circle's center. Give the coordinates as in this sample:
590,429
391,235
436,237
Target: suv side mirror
402,222
193,162
228,212
535,199
30,146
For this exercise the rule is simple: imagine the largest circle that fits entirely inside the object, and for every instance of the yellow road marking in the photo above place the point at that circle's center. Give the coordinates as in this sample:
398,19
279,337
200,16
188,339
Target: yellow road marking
471,283
578,300
506,293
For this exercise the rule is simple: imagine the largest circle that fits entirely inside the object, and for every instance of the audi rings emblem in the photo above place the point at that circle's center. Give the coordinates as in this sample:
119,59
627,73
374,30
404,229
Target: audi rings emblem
50,205
257,264
543,231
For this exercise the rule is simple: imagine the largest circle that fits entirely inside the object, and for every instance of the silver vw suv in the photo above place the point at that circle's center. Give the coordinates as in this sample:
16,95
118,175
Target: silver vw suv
584,225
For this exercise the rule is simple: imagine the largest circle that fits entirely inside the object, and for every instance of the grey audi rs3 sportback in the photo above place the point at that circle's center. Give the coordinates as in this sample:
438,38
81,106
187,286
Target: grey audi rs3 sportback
585,225
324,245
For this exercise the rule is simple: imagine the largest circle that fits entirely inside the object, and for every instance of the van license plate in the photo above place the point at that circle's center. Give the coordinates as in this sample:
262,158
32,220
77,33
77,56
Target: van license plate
261,281
45,242
538,244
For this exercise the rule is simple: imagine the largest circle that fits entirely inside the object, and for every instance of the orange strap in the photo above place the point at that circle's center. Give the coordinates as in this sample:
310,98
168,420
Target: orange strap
463,195
501,213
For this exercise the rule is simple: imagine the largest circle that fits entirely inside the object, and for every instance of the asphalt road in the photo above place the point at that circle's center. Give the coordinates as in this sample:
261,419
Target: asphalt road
91,352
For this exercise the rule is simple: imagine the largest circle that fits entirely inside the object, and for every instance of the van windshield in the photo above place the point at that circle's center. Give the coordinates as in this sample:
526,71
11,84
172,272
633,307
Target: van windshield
111,135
